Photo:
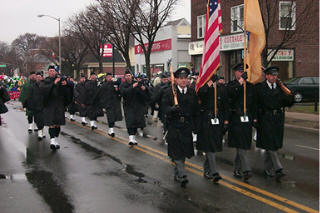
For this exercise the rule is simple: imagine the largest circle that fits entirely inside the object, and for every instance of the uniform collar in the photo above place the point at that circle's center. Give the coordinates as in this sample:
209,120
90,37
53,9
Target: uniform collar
182,91
269,84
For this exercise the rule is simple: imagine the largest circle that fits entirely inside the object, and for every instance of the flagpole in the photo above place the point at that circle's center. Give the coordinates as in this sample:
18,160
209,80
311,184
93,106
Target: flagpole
215,99
245,49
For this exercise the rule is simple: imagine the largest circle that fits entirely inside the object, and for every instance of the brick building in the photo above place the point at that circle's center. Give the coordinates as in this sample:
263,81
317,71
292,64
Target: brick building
296,22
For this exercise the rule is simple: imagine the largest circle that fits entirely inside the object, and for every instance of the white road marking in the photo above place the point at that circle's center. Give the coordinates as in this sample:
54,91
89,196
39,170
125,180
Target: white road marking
308,147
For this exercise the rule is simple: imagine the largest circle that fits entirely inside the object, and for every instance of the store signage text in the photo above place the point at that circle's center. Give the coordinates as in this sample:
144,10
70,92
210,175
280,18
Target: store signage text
157,46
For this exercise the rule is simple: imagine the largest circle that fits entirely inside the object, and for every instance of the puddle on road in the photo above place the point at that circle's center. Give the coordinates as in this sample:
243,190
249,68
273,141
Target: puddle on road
127,167
53,194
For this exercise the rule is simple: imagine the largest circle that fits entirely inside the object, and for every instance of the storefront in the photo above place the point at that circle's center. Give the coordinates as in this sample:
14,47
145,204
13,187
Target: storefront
284,59
170,46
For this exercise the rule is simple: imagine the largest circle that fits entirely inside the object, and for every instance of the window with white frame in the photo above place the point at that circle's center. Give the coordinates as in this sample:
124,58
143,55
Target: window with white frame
287,15
237,19
201,26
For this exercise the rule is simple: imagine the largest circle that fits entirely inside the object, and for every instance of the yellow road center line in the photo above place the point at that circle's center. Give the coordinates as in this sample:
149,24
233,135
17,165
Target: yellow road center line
253,188
247,193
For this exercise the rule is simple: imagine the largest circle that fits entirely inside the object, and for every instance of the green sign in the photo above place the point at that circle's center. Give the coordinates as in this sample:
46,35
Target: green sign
3,65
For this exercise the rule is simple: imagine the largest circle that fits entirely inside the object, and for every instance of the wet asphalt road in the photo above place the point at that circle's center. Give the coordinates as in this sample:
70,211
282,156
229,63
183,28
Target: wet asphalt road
94,173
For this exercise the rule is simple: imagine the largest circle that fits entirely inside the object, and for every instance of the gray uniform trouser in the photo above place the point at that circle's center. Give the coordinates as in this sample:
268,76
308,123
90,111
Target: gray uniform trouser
241,162
271,160
210,164
179,169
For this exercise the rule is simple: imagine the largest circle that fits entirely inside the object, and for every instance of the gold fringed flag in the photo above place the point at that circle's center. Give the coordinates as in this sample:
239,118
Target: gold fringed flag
256,40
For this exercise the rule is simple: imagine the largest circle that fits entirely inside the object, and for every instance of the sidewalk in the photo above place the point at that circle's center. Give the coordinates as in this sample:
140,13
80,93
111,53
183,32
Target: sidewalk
302,120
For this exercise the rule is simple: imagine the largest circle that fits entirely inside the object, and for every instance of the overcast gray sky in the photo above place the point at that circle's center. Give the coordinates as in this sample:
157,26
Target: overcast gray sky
18,17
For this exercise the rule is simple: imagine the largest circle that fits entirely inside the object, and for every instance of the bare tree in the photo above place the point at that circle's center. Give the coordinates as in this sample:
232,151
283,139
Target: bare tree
26,46
295,25
117,15
88,27
73,52
149,17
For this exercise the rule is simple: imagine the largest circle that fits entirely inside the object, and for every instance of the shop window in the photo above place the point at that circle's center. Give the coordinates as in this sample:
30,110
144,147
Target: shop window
237,19
201,25
287,15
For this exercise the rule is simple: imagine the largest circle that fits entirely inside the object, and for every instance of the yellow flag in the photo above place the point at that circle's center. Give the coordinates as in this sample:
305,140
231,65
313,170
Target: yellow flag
257,39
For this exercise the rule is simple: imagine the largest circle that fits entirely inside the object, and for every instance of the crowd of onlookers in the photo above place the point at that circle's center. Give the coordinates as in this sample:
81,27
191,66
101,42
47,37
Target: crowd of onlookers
13,84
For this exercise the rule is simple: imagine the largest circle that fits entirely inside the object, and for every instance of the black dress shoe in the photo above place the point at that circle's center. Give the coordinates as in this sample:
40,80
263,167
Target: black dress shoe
30,130
111,135
216,177
279,175
182,180
246,176
268,173
237,174
71,119
83,123
208,176
94,127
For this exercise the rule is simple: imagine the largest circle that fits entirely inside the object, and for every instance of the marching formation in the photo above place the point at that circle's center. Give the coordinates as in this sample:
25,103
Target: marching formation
190,118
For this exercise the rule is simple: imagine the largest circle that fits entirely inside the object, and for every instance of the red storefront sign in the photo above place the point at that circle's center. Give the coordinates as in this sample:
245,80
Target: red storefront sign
107,50
156,47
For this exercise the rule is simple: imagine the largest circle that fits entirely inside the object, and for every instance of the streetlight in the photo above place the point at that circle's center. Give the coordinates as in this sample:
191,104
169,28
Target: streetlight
57,19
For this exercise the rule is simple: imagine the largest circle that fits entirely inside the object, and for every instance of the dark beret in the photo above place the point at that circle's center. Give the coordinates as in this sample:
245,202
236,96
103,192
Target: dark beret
92,73
181,72
272,70
31,73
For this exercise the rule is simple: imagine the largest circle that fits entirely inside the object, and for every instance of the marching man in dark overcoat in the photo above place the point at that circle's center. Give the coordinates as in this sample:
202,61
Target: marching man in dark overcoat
271,100
110,99
36,104
56,94
135,97
79,98
92,100
240,123
212,123
182,120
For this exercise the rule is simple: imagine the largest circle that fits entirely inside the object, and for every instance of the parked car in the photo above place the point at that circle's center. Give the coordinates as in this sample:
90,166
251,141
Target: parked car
304,89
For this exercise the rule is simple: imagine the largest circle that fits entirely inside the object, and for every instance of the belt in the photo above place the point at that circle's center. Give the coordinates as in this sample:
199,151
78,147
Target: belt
273,111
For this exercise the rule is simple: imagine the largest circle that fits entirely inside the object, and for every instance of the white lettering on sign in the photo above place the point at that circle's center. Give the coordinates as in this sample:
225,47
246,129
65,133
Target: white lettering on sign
281,55
157,46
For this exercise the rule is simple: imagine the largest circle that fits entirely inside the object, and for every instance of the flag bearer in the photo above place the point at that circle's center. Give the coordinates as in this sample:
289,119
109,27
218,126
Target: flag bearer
271,100
213,118
240,122
182,120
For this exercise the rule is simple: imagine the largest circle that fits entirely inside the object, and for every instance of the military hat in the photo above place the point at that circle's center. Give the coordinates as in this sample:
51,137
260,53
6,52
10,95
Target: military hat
181,72
92,73
31,73
128,72
238,67
40,73
82,75
51,67
221,77
272,70
164,75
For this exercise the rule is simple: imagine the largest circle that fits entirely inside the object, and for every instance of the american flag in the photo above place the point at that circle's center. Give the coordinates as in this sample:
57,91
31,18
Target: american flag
211,52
